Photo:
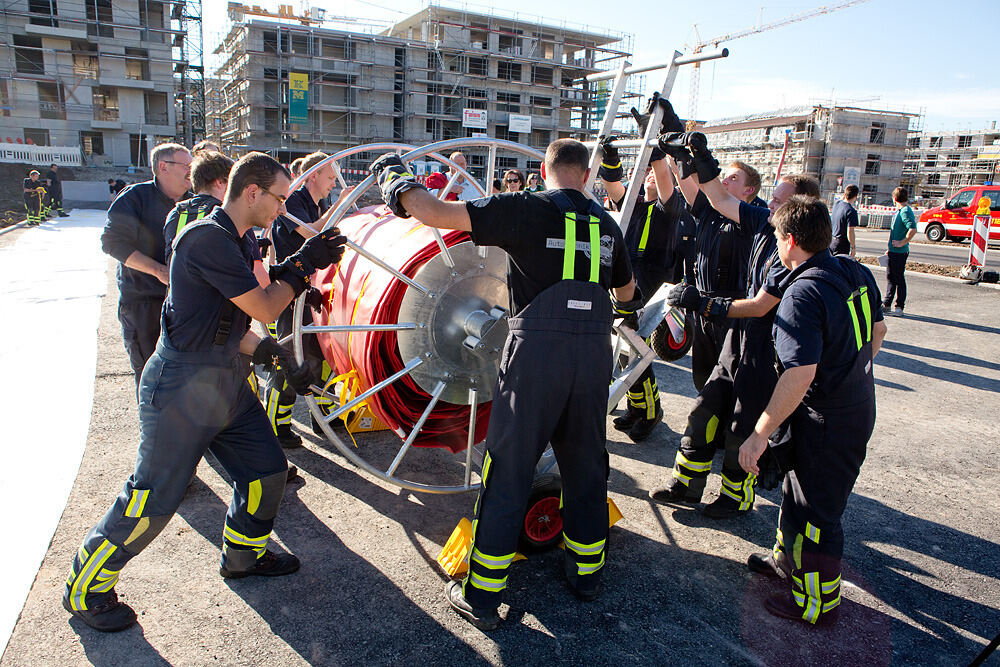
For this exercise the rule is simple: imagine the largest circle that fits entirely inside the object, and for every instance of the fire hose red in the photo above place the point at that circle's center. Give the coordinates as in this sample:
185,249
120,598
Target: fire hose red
360,292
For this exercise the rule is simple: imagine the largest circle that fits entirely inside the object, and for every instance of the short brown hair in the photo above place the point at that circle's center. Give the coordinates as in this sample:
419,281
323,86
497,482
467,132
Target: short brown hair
804,184
851,191
901,195
254,168
296,166
311,160
563,153
205,145
750,175
808,220
208,167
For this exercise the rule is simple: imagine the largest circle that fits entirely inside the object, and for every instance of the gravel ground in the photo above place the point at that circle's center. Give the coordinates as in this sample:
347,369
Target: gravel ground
922,563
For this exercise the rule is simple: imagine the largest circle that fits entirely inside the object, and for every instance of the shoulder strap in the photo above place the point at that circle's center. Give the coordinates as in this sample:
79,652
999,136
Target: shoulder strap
572,217
854,292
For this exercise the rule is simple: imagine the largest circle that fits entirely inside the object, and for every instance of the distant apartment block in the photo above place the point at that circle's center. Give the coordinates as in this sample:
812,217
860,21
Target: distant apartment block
938,163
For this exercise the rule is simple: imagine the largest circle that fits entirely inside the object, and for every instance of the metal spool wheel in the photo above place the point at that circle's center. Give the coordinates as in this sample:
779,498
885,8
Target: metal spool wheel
450,331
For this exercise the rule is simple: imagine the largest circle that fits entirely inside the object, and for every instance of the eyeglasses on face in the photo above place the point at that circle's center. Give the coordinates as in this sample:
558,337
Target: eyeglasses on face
281,200
513,180
186,165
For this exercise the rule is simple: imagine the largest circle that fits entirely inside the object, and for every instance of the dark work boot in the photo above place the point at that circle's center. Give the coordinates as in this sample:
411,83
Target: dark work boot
724,507
269,565
643,427
675,492
769,566
783,606
107,616
483,618
626,421
585,588
287,438
293,472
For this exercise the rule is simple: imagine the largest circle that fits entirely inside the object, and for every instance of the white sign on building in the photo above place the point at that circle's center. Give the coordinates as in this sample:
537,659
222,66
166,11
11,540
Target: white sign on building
519,123
474,118
852,176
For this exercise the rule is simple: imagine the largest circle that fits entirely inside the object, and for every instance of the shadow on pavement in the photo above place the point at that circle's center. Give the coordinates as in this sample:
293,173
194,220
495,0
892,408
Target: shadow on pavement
105,650
953,323
962,378
940,355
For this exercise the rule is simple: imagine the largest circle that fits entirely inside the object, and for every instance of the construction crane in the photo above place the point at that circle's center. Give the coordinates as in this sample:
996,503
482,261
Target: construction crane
728,37
315,16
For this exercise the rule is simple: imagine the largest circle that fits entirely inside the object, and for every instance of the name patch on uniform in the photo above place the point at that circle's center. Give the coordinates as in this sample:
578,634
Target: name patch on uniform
574,304
581,246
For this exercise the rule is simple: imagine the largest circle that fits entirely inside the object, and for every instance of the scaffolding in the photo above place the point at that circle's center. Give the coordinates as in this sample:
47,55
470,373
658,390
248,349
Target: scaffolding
190,70
940,162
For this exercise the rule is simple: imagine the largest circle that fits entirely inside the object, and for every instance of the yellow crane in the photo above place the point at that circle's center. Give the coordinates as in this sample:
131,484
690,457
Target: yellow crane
728,37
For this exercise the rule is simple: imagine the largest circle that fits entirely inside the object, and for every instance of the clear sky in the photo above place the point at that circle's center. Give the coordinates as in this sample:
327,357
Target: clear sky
923,55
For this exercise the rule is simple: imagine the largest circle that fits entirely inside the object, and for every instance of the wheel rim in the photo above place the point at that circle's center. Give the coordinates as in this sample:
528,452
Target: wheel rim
542,521
675,345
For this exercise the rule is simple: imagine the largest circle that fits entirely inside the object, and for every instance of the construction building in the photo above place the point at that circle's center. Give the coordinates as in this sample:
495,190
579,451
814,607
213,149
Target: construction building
838,145
439,74
938,163
92,76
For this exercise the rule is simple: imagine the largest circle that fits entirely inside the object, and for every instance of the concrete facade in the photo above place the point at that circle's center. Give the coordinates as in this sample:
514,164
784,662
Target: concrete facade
938,163
410,84
94,74
832,143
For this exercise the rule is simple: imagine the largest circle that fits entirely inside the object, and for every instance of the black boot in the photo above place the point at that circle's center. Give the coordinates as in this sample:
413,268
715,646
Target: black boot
626,421
769,565
483,618
643,427
108,616
724,507
269,565
675,492
287,438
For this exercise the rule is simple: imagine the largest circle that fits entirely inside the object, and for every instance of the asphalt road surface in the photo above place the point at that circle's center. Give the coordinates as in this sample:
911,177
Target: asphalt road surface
873,242
921,562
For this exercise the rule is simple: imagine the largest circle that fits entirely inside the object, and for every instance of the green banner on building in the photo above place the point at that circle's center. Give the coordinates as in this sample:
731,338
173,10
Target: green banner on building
298,97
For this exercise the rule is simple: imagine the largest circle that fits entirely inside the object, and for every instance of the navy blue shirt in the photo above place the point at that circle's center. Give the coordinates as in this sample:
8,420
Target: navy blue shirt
211,265
715,274
842,217
524,224
813,324
669,240
135,222
284,232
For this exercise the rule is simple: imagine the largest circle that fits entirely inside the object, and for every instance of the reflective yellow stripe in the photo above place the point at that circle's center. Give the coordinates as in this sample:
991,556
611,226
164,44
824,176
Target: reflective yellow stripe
710,429
866,308
584,549
645,229
797,552
813,603
258,544
696,466
681,476
253,497
590,568
812,532
612,166
648,388
854,320
181,221
595,250
830,586
492,562
487,584
827,606
137,503
78,593
569,249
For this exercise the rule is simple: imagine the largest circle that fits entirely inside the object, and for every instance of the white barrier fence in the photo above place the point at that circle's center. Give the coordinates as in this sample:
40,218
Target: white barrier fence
64,156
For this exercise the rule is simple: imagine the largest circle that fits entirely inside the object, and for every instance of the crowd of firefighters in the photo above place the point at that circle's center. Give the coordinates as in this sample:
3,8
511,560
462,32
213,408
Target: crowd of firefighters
784,333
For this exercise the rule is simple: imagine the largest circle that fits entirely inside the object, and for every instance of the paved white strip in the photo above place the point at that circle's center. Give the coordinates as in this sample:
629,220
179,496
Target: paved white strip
51,284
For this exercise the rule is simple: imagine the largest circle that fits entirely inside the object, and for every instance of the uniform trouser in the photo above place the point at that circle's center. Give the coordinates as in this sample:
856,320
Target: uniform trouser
644,395
829,448
895,280
140,322
706,346
55,200
278,396
725,411
187,406
32,207
553,387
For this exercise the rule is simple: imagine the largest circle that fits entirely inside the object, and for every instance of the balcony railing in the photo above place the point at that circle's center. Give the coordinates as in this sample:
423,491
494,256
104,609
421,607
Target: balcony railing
105,114
157,118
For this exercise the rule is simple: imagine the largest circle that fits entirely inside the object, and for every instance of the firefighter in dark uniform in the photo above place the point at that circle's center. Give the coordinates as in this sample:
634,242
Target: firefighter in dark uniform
209,178
308,203
652,241
194,397
134,236
723,253
728,406
55,190
33,198
564,254
827,330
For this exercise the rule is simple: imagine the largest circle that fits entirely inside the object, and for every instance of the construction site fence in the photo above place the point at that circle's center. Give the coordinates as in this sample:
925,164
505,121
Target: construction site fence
64,156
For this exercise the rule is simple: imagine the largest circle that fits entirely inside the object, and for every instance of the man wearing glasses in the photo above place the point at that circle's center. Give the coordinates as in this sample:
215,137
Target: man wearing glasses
134,236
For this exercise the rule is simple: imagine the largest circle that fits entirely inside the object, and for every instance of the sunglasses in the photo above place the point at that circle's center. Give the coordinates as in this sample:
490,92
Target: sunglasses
513,180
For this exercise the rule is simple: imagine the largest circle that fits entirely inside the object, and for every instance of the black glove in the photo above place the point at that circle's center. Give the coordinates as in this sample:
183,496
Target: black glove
778,458
669,121
628,311
611,163
297,375
314,298
394,178
705,165
318,252
689,298
263,243
656,154
674,145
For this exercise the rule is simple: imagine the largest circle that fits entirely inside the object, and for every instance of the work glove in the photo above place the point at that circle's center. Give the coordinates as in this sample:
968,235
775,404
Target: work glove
777,460
674,144
394,178
705,165
611,164
629,311
269,352
316,253
263,243
668,123
314,298
689,298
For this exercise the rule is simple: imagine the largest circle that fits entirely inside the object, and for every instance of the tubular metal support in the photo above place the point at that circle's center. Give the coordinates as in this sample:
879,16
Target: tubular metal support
473,405
350,328
678,60
438,390
617,90
357,400
376,260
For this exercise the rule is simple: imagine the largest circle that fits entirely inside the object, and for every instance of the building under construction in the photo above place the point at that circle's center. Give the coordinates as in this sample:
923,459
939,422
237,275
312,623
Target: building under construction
97,77
938,163
838,145
439,74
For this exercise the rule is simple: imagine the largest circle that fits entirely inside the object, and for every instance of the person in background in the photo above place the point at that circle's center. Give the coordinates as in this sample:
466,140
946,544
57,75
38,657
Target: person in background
534,183
115,186
513,180
207,146
55,190
33,198
845,219
904,226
